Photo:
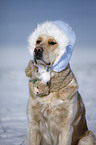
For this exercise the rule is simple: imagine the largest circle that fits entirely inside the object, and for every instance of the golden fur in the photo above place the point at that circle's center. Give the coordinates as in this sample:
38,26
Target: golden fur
56,112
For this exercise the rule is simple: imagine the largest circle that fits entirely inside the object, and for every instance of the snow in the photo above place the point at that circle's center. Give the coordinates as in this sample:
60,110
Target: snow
14,91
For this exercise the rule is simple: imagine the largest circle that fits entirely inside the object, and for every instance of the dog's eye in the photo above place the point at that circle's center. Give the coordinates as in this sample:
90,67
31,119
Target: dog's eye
52,43
38,41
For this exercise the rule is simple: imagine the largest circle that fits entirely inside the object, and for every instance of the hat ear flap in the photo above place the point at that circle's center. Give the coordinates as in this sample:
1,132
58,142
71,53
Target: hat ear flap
63,62
68,55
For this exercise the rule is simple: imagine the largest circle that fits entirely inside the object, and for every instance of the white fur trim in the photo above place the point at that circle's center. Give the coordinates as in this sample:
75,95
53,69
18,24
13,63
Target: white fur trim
44,75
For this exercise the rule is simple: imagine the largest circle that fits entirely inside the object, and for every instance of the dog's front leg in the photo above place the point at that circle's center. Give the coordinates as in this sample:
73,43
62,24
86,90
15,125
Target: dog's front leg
65,137
34,136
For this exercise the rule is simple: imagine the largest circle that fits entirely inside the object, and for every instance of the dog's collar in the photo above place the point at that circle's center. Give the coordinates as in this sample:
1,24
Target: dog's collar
58,81
33,81
61,79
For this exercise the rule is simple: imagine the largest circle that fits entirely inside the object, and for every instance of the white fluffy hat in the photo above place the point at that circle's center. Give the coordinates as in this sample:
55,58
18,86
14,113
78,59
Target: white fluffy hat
63,34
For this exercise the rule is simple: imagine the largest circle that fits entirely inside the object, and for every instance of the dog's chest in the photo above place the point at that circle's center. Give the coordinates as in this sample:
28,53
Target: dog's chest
51,114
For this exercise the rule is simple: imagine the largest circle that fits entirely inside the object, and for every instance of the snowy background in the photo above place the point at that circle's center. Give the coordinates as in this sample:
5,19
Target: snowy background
18,18
14,91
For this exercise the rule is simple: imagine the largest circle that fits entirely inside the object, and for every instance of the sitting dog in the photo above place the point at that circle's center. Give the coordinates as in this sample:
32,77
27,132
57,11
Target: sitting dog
56,112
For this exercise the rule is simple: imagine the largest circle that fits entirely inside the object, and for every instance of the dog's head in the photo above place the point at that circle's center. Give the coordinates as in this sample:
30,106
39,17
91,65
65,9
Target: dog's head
48,44
46,50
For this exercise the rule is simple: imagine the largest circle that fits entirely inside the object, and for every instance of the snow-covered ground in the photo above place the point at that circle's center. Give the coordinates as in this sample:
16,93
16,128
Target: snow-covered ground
14,91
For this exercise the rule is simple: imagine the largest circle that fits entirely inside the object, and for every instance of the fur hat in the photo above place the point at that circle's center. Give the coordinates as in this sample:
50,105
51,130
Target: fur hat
63,34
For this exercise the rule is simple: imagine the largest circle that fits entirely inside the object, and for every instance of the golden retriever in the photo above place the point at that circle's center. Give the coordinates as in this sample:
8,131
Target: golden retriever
56,113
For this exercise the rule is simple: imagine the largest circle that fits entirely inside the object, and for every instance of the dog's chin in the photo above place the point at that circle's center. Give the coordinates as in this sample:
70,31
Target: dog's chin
42,62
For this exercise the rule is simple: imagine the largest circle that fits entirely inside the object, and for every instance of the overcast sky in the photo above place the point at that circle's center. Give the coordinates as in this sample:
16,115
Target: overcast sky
18,18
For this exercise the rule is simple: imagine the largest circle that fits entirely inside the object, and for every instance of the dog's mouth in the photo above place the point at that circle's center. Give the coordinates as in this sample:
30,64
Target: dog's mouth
41,61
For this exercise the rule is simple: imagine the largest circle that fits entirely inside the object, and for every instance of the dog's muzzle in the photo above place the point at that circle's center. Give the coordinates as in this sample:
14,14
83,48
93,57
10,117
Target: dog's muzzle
38,53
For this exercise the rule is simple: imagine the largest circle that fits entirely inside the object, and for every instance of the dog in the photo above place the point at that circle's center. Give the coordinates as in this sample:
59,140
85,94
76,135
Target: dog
56,112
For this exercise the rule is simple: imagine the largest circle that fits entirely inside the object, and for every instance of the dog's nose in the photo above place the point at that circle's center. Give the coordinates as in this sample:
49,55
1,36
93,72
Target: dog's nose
38,50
